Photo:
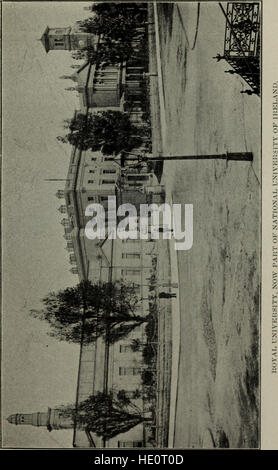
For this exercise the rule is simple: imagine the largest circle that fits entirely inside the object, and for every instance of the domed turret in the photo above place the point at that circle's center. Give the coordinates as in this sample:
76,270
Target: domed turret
52,419
12,419
34,419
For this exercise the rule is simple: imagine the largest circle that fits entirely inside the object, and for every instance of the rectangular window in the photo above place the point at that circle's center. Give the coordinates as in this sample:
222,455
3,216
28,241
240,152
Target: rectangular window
108,172
129,370
107,181
138,177
124,348
91,198
105,86
93,159
91,171
131,256
90,181
130,272
130,444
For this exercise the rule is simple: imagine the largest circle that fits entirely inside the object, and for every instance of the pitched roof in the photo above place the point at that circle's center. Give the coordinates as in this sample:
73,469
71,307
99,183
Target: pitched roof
44,39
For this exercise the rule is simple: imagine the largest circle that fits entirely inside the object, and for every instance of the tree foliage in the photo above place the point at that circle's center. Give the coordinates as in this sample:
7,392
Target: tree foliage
120,30
108,131
148,377
89,311
119,8
114,21
125,399
105,414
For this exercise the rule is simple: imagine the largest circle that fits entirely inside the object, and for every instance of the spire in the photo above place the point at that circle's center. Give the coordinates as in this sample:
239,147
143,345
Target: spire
62,209
12,419
65,222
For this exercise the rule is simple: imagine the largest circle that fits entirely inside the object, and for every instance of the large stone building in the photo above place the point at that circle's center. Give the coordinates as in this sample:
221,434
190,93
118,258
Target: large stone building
91,178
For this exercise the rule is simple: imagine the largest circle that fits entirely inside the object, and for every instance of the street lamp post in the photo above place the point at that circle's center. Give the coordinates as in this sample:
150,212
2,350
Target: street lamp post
229,156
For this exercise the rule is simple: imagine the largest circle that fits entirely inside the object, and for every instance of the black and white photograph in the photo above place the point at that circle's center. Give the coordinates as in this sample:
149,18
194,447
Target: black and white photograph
132,225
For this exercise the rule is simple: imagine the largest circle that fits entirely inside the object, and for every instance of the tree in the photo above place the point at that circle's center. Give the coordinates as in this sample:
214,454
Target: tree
111,52
119,8
121,30
117,27
124,398
148,377
136,345
108,131
114,19
149,353
106,415
89,311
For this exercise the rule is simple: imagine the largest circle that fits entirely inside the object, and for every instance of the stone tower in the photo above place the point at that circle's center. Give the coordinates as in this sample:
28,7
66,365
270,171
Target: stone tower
52,419
67,39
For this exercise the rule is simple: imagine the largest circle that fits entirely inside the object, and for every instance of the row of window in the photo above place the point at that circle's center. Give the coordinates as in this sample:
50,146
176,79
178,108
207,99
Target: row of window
103,181
125,348
131,256
105,172
133,180
106,159
59,42
129,371
101,198
130,272
130,444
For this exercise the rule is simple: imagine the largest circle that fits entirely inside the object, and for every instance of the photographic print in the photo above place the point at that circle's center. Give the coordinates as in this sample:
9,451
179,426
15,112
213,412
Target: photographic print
131,224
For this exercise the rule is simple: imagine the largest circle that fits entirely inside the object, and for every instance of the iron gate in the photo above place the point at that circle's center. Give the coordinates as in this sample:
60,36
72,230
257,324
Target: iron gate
242,41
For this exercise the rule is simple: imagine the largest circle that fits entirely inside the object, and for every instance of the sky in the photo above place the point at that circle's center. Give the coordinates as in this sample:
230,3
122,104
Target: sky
37,370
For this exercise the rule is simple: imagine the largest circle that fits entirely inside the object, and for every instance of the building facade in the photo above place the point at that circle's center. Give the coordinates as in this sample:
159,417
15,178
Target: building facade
91,178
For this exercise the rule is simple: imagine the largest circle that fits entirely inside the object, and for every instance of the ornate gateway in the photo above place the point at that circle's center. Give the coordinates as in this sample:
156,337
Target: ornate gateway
242,41
242,30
